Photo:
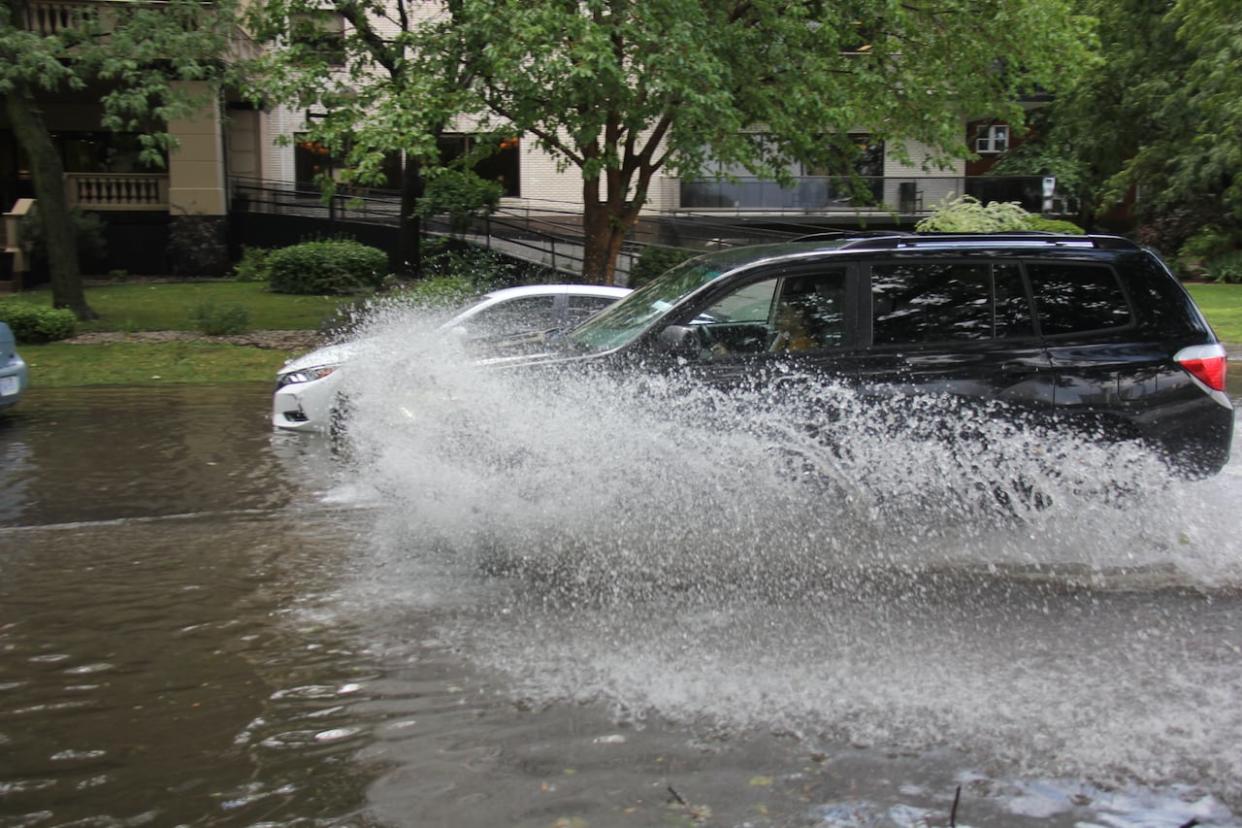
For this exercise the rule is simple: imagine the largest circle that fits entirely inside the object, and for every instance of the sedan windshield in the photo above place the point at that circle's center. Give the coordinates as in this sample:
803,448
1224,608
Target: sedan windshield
624,321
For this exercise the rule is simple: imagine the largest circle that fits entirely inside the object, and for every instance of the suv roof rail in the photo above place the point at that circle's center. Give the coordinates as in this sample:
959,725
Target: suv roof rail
897,240
837,235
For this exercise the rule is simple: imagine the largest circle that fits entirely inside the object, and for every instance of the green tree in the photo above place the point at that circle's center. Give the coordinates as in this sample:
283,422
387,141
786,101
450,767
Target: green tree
1160,118
135,53
621,89
380,90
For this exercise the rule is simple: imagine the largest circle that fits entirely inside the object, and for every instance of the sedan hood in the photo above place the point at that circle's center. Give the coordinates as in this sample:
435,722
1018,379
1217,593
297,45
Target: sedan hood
330,355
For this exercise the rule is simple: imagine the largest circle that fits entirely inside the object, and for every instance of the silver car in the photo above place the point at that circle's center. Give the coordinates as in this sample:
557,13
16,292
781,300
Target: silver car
14,376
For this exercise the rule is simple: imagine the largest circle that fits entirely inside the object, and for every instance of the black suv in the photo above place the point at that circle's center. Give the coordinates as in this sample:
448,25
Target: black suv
1086,330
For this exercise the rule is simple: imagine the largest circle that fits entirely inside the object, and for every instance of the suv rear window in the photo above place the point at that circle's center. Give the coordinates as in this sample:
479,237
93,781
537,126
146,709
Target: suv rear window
940,302
1077,297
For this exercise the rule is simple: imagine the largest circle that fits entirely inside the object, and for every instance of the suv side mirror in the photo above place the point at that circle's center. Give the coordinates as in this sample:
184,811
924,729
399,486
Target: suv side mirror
679,341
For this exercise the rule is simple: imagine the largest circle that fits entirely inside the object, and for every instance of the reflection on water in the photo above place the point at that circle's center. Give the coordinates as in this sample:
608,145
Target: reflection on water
204,623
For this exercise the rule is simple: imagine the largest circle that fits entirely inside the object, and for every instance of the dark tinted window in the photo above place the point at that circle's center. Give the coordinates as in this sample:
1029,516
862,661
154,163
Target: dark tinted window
1077,297
935,302
811,312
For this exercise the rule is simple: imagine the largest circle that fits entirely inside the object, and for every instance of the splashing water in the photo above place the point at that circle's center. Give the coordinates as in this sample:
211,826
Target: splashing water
908,574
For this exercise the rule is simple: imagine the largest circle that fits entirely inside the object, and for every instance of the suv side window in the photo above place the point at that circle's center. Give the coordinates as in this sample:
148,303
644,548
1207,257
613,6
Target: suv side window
920,302
787,314
1076,297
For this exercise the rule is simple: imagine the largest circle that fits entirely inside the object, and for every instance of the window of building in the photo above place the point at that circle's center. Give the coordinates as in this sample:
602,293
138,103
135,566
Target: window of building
920,303
991,139
503,165
322,32
311,160
1077,297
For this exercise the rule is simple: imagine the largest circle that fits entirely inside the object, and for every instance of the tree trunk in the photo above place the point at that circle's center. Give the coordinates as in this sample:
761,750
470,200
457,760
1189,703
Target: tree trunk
410,225
603,230
48,176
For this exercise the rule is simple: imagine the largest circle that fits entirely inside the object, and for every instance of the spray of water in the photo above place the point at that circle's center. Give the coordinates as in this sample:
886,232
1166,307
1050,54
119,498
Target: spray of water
911,573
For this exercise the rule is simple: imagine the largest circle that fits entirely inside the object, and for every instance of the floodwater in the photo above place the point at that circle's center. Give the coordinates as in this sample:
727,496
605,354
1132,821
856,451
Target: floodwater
204,623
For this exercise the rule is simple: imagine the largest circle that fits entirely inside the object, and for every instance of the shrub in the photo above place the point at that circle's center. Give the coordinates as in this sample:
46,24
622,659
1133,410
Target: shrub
337,266
220,320
1226,267
967,214
255,265
88,229
1206,244
655,260
33,324
483,269
198,246
1069,228
460,194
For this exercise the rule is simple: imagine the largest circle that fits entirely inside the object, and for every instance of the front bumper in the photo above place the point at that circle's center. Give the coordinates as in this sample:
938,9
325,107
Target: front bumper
14,377
306,406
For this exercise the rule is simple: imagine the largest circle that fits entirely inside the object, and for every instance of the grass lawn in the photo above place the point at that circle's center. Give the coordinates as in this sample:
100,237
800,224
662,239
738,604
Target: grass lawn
167,307
140,363
1222,305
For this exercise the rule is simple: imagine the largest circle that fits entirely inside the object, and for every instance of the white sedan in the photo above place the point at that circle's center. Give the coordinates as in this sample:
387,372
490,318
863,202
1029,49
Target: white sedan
306,387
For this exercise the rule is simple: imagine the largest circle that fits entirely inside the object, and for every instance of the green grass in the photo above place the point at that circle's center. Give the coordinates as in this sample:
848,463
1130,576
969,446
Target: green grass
58,364
167,307
1222,305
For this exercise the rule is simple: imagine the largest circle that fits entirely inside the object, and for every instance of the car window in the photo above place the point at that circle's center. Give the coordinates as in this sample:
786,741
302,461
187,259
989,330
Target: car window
526,313
920,302
582,308
779,315
1075,297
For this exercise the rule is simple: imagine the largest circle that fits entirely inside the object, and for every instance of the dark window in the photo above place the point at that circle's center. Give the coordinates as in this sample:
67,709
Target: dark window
528,313
310,160
810,314
322,33
1077,297
582,308
1013,311
913,303
932,302
500,162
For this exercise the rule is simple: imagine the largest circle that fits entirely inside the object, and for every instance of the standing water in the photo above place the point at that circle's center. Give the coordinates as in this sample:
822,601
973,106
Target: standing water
558,600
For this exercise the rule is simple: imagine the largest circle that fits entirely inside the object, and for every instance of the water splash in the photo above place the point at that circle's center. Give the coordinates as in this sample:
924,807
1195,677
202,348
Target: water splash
904,574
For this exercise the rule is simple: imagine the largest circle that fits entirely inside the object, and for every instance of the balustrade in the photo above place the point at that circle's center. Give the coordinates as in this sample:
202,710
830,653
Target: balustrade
117,191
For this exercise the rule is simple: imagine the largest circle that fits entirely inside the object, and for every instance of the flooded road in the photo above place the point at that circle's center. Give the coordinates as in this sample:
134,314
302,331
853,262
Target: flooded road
203,623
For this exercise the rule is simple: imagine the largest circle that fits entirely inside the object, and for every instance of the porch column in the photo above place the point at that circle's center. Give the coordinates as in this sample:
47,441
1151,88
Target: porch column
196,167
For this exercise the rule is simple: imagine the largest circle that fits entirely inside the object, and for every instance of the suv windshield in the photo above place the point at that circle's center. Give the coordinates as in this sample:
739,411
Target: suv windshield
625,320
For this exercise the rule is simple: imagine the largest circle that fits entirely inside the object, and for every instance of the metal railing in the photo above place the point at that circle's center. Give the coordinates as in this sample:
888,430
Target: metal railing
536,230
117,191
903,196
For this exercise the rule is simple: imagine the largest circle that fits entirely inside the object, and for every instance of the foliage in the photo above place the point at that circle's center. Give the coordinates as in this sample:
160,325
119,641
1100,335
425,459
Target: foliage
35,324
1048,225
966,214
1226,268
461,194
254,265
144,306
653,261
337,266
622,89
220,320
154,62
88,230
483,269
1206,244
1159,122
198,246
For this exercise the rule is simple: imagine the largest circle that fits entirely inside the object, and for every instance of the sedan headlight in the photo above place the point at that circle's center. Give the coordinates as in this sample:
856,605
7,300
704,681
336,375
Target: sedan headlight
305,375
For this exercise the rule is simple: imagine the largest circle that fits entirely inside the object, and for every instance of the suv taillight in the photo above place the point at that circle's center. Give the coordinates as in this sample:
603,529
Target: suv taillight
1206,363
